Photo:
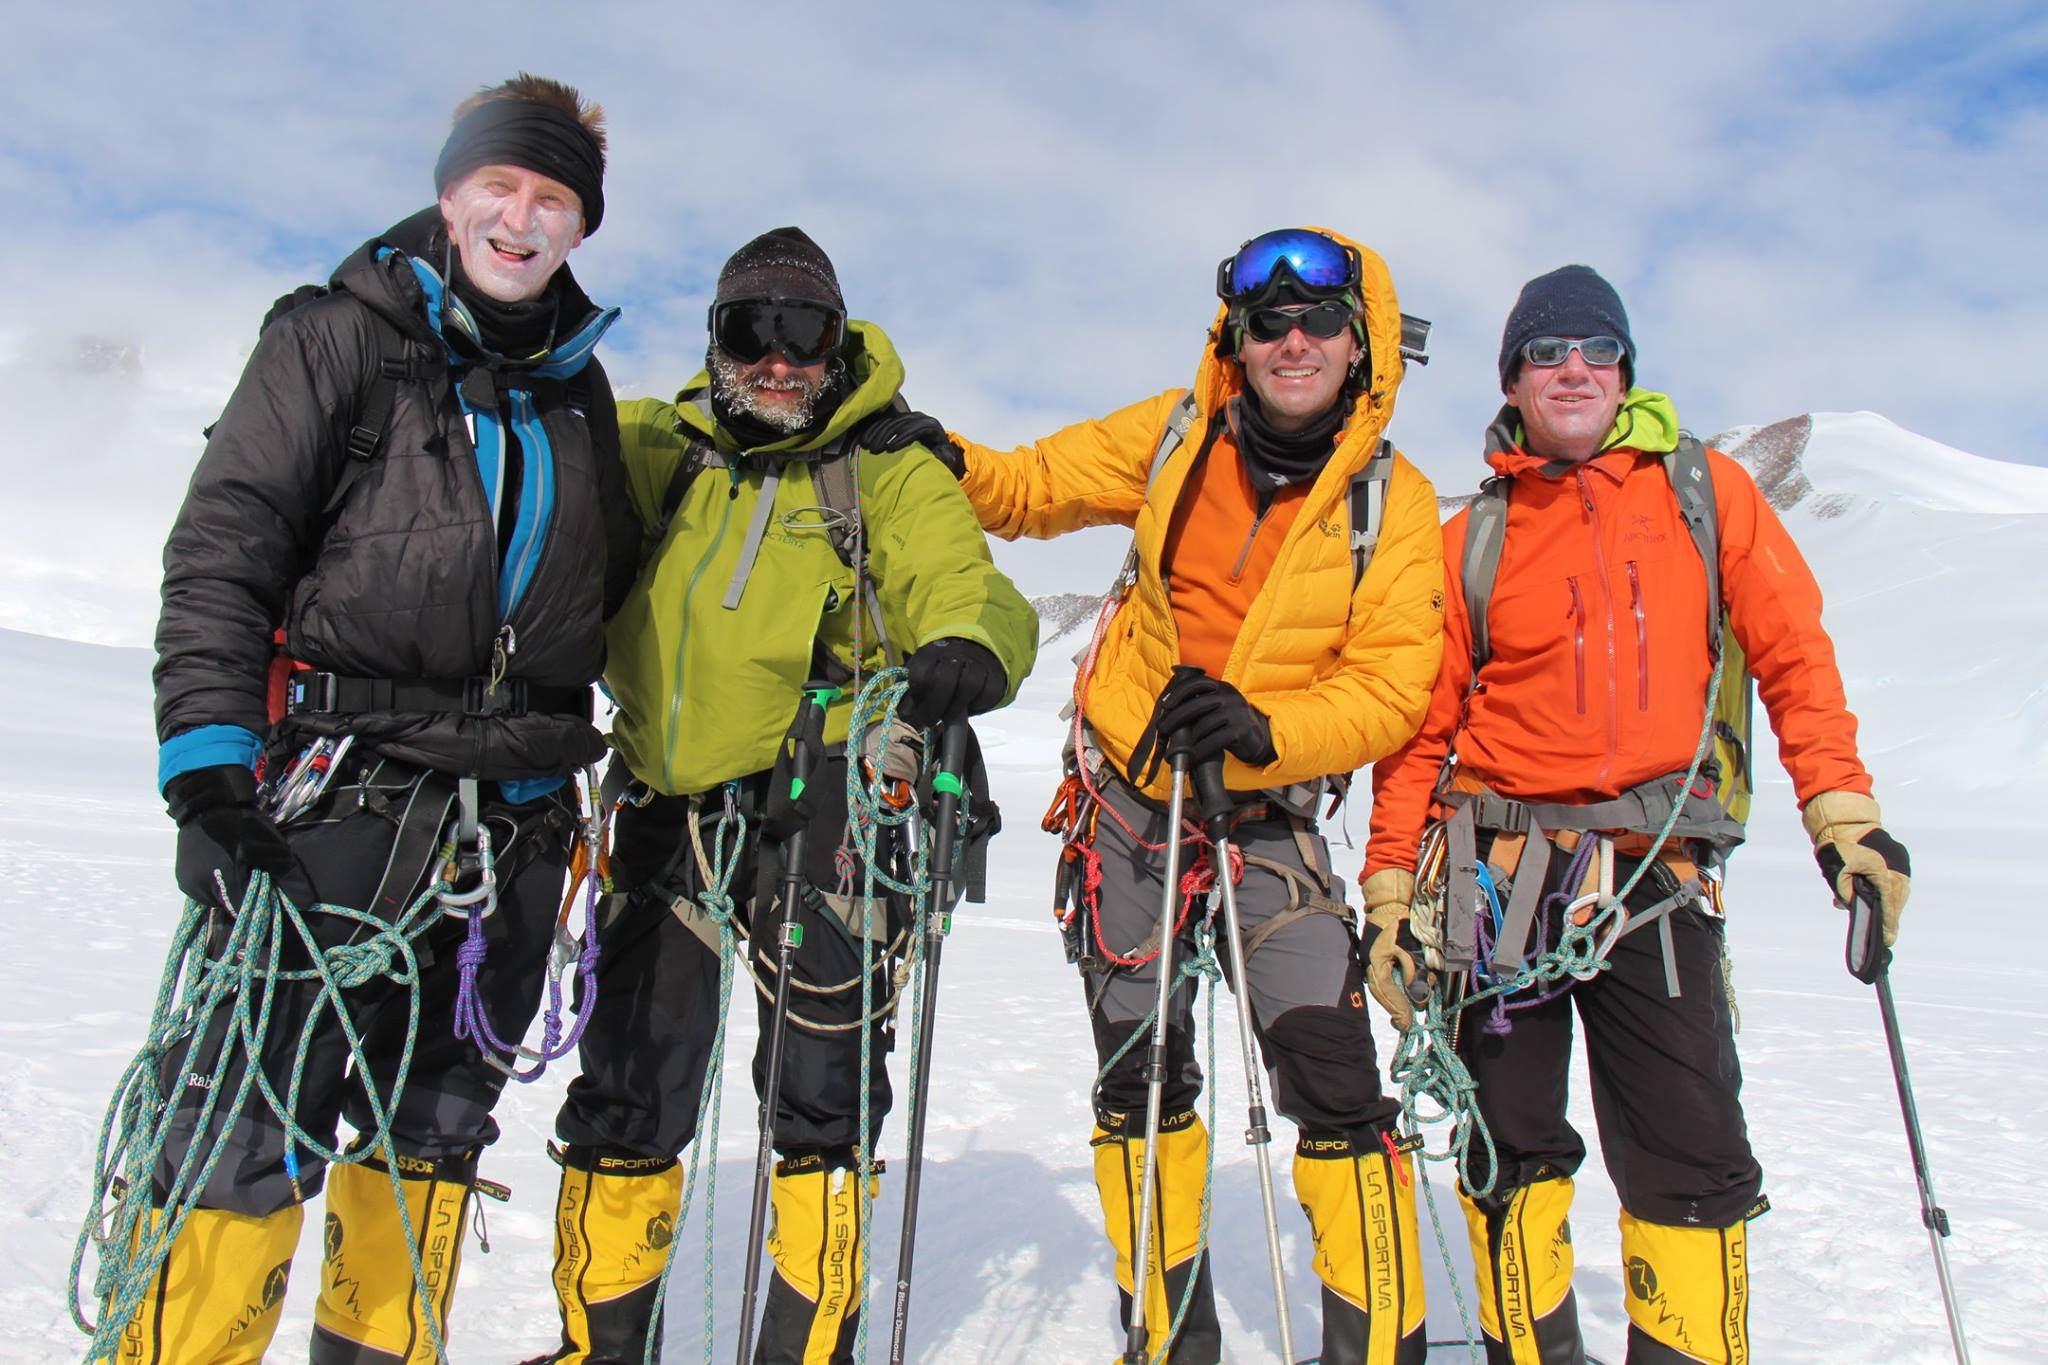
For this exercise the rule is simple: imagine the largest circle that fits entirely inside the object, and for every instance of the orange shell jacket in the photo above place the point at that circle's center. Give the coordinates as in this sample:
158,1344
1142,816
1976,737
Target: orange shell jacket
1342,672
1599,667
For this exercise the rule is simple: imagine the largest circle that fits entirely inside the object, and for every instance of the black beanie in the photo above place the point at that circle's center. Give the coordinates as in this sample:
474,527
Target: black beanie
1571,301
782,264
533,135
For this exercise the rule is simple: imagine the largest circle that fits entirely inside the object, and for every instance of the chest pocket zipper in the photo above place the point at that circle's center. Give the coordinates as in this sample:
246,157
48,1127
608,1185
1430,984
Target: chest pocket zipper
1635,597
1577,613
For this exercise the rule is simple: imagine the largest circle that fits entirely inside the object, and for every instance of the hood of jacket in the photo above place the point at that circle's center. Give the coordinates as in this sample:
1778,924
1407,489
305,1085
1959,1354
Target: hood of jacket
1218,380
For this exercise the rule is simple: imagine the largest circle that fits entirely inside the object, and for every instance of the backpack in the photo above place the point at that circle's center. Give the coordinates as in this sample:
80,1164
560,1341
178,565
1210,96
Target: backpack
1728,765
1367,496
838,496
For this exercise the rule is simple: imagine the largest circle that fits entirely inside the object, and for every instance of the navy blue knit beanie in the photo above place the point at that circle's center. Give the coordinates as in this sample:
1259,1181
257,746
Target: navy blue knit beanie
1571,301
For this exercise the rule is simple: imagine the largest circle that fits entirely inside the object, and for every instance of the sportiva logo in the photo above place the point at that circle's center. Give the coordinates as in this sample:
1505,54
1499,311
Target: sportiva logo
661,1230
1669,1323
269,1297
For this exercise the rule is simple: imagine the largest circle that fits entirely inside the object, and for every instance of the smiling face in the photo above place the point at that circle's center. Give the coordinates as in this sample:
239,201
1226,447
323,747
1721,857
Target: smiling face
1567,410
784,395
513,228
1298,377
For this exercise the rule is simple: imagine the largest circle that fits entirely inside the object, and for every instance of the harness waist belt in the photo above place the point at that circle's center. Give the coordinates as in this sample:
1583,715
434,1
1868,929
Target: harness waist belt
1641,809
316,693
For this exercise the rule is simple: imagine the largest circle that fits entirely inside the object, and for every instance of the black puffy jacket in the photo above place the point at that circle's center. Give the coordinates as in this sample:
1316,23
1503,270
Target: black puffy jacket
401,580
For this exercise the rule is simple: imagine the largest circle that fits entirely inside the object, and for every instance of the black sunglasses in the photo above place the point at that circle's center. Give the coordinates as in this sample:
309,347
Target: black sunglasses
1323,320
801,331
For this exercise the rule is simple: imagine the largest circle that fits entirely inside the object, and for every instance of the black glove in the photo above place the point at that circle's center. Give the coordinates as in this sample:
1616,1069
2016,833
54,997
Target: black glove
952,678
895,430
299,297
220,829
1202,717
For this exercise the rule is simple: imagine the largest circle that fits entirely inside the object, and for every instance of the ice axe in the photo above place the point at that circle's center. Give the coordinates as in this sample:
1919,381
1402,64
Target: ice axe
946,782
1869,960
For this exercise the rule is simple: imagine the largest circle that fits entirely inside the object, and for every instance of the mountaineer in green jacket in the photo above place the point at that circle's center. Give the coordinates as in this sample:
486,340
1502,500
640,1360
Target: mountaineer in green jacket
781,545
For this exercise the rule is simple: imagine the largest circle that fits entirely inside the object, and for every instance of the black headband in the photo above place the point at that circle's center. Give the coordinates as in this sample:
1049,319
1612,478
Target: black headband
526,133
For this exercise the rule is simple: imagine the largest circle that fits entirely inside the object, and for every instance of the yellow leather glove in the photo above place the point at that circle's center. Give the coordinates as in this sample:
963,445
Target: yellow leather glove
1849,841
1391,944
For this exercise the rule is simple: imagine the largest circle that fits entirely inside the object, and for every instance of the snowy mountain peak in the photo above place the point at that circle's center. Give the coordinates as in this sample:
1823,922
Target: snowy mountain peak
1829,462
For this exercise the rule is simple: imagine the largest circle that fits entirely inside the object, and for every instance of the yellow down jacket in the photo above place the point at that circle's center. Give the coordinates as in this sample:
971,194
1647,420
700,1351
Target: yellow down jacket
1343,672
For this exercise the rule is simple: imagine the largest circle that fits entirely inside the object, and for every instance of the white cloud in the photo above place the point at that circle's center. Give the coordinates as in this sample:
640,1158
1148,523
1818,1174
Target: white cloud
1827,206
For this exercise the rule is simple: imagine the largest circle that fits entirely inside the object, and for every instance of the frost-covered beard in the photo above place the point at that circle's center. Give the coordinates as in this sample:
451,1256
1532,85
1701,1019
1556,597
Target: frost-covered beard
789,403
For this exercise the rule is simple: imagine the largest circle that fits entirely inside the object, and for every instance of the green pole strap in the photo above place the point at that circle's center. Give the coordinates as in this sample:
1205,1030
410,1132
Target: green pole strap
943,781
796,788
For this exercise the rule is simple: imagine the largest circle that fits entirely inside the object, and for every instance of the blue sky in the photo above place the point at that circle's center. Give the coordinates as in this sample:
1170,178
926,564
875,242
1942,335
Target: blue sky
1822,206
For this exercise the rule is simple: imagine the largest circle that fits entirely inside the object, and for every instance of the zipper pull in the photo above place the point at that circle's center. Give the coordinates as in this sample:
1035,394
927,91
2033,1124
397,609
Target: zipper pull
502,649
490,1189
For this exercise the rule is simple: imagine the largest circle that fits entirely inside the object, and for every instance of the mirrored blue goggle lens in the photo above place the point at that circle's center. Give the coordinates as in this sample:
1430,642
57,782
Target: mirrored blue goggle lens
1317,261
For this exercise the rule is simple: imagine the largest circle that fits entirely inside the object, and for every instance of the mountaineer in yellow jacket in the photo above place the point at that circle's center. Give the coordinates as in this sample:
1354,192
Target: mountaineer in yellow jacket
1260,624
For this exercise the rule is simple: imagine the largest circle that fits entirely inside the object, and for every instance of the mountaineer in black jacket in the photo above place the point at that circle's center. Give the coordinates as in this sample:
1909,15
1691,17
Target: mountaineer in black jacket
417,481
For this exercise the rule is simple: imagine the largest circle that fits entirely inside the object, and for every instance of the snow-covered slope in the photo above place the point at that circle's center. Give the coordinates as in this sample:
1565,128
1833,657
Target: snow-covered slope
1944,643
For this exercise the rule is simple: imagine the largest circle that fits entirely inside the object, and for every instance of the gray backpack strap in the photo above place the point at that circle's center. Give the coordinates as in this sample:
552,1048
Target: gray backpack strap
1178,424
1693,482
750,548
1369,509
1485,527
832,478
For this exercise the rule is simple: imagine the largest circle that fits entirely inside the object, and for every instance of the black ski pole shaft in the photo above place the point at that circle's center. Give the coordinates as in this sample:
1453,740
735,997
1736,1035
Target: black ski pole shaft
1865,929
789,936
946,782
1215,803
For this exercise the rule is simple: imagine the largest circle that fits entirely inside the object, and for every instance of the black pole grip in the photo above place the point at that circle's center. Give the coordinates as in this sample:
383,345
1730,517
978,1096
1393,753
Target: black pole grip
1213,799
1866,954
948,786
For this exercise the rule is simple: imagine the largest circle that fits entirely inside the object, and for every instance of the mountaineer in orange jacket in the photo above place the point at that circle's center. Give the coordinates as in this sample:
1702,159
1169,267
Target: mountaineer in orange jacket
1585,714
1261,626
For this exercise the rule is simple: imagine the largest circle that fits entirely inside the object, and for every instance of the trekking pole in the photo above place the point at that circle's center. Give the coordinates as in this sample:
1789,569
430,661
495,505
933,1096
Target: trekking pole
1869,961
1215,803
806,729
938,916
1155,1066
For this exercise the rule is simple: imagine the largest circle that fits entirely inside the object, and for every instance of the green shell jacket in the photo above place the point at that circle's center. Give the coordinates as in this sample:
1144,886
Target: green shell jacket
707,686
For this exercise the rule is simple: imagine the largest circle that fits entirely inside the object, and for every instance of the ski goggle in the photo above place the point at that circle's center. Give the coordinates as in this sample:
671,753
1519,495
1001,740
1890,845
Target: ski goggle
1322,320
801,331
1547,353
1311,258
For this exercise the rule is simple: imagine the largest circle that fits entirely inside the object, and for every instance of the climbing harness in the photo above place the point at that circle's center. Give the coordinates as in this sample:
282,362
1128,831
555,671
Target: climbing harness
589,874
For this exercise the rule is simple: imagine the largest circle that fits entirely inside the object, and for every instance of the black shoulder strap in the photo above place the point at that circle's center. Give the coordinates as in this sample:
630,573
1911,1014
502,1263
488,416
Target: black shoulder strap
397,363
1486,524
1693,483
1369,509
